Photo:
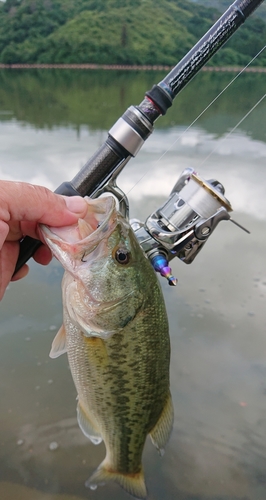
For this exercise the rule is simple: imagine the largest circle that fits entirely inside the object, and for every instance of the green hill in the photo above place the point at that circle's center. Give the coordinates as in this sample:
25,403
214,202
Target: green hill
116,32
222,5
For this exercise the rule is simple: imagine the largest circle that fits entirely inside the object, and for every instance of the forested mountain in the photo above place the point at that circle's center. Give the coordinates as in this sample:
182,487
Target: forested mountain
222,5
116,32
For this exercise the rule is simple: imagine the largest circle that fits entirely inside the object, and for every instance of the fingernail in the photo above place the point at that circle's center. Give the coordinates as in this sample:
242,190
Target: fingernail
76,204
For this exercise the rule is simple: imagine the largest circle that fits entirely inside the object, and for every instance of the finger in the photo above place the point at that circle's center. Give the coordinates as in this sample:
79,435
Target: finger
4,230
25,202
8,259
29,229
43,255
21,273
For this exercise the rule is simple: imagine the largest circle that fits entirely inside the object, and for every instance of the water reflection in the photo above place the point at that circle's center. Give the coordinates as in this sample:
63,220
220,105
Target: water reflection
216,313
52,98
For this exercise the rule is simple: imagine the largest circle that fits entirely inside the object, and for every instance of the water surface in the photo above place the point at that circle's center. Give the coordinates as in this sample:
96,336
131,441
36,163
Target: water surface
50,124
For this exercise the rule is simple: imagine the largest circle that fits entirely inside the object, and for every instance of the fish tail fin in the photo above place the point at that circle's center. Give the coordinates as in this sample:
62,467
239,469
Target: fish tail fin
134,484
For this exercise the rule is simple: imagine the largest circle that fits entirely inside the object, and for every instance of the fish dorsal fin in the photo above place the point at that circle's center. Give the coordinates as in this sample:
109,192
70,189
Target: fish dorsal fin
59,343
162,429
134,484
87,426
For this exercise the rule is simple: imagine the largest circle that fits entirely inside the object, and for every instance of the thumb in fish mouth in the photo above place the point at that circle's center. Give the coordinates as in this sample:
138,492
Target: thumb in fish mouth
100,211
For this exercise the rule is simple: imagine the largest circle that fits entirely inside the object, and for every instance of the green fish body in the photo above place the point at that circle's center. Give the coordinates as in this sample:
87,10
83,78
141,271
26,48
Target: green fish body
115,333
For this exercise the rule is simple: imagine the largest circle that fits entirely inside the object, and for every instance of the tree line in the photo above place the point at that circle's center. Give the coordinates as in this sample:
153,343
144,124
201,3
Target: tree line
117,32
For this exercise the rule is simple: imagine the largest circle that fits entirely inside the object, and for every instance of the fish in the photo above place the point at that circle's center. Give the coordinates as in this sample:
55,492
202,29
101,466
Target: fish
116,336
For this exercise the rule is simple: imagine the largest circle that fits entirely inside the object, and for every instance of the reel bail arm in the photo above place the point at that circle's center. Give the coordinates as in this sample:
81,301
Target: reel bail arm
182,225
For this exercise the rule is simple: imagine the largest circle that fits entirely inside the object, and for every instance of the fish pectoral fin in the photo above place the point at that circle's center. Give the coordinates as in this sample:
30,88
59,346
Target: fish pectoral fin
59,343
160,434
132,483
101,334
87,426
90,329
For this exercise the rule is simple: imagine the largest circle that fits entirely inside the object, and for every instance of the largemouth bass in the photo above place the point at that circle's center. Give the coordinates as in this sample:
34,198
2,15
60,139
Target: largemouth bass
115,333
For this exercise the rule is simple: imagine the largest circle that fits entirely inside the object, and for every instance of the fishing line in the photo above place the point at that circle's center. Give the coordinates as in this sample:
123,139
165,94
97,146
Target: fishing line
233,129
200,115
213,101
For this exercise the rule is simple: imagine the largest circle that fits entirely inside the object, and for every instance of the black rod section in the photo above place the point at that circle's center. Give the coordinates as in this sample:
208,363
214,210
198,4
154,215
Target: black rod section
163,94
209,44
134,127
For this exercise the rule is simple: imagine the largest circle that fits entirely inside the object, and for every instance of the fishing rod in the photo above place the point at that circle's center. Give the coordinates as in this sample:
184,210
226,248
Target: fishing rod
183,224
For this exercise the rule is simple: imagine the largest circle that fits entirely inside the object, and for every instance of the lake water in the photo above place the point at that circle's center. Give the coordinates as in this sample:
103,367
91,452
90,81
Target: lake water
50,124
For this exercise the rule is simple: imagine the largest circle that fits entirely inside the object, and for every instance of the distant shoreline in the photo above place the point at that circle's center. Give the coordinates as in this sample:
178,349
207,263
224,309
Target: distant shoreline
134,67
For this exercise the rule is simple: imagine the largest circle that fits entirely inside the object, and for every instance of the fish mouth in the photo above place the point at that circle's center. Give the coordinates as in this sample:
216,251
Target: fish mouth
81,238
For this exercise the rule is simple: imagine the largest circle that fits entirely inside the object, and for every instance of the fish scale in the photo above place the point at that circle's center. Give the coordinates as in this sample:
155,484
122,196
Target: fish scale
115,333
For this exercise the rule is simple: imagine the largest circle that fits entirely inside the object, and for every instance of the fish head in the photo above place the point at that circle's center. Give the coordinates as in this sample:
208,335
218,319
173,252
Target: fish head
103,261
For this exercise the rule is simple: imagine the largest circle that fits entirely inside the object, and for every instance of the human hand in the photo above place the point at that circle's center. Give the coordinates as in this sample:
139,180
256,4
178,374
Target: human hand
22,207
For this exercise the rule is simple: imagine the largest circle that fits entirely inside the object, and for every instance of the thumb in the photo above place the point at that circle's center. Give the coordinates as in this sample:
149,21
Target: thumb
21,201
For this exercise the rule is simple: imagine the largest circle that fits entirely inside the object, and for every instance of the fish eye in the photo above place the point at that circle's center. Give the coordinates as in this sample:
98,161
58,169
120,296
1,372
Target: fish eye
122,256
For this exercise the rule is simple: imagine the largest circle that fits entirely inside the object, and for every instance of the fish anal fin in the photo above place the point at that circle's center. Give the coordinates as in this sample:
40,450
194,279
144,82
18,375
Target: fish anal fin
134,484
160,434
87,426
59,343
